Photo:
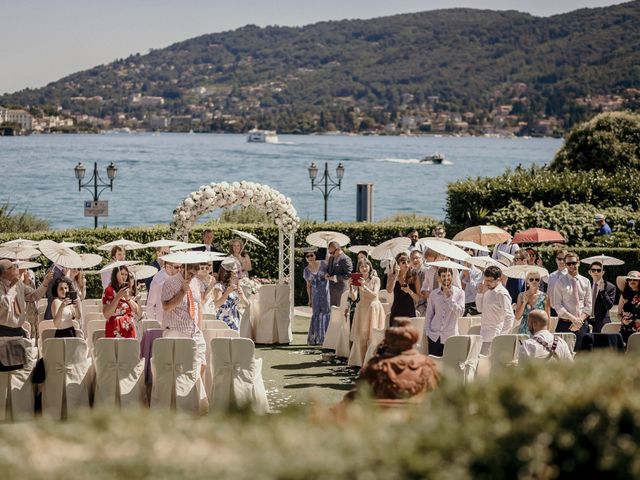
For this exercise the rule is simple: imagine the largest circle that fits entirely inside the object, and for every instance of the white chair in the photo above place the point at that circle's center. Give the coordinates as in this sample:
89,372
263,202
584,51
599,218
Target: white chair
376,337
553,323
43,325
92,301
337,335
633,344
209,316
119,373
461,357
42,302
16,387
208,336
237,375
68,377
272,321
387,308
91,316
385,297
146,324
504,352
92,326
611,328
215,325
568,337
474,330
418,324
465,323
176,376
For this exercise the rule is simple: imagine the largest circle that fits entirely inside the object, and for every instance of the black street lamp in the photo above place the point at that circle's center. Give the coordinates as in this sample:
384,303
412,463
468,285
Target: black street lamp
96,181
329,184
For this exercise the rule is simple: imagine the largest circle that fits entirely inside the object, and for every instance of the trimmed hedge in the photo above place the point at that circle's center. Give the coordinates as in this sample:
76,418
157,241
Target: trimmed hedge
545,421
470,201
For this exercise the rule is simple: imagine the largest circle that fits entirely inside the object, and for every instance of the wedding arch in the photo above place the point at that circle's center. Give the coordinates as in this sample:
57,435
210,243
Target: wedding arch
227,195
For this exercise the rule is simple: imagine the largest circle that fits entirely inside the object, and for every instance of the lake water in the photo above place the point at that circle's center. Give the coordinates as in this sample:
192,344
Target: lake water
155,172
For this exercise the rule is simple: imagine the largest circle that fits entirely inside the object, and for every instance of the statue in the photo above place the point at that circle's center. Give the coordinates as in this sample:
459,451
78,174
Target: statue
397,371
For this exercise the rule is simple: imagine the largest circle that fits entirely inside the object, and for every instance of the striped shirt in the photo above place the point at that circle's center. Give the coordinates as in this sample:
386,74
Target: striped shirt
178,318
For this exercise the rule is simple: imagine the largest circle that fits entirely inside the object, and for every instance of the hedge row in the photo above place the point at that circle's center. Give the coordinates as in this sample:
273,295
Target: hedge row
470,201
577,420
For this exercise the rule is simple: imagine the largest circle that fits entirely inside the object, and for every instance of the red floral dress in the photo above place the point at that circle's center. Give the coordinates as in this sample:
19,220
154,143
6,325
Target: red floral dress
121,324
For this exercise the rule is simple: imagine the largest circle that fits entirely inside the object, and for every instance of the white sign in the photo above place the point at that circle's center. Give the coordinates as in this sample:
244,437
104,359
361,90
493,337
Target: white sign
96,209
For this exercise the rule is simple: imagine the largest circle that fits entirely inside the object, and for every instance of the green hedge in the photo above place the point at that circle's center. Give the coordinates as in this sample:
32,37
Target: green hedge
547,421
470,201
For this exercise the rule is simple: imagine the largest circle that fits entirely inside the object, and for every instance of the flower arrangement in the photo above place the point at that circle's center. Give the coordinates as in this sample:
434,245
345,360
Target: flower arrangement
225,195
251,285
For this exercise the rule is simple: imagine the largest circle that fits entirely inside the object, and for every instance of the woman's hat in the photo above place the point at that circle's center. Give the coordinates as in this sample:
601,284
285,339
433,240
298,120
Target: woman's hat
310,249
230,264
622,279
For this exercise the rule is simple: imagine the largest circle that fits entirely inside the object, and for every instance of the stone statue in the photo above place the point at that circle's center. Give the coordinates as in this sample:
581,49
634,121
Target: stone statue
397,370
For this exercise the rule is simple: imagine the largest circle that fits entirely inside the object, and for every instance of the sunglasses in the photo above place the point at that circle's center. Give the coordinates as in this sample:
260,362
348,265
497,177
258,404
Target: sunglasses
403,261
632,280
595,270
560,259
534,280
570,263
310,255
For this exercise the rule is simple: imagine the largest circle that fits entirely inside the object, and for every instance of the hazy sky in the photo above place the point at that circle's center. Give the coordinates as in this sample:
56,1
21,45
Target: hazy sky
44,40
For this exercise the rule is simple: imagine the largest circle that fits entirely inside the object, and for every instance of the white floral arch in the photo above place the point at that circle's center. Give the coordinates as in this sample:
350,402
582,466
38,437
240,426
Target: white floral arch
264,198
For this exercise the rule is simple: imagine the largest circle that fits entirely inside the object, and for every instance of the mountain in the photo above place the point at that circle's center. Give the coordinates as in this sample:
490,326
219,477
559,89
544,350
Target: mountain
413,71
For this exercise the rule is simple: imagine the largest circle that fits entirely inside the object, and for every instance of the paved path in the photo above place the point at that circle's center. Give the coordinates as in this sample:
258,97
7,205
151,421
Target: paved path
295,374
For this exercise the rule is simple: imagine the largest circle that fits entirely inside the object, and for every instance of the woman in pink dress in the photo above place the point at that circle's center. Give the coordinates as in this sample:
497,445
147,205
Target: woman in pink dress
119,307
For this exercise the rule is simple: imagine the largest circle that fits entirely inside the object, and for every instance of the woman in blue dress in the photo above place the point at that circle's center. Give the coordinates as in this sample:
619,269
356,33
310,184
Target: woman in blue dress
318,294
531,299
227,295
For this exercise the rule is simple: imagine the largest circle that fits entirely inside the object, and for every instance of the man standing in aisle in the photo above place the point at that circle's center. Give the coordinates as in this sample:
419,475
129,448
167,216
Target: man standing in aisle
445,305
338,270
494,303
571,298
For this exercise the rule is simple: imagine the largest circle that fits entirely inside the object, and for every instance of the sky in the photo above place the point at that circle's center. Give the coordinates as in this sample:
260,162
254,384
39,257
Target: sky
42,41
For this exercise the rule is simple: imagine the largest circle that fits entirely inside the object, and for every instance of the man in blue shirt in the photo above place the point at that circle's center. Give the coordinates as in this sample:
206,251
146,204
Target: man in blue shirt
603,227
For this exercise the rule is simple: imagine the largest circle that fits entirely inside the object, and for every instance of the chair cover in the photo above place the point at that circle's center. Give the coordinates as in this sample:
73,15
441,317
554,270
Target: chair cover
336,328
633,344
176,376
145,325
209,335
611,328
465,323
568,337
92,326
16,387
377,335
272,322
461,356
68,377
474,330
215,325
119,373
504,352
237,375
553,323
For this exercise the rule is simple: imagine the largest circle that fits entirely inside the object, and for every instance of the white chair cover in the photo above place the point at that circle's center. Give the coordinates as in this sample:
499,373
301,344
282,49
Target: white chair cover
272,321
92,326
119,373
237,375
68,377
336,329
377,335
176,376
215,325
504,352
42,326
465,323
611,328
553,323
461,356
568,337
209,335
16,387
474,330
418,324
633,344
145,325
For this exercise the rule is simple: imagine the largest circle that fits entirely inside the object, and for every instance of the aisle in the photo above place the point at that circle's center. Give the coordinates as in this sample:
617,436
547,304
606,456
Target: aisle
296,375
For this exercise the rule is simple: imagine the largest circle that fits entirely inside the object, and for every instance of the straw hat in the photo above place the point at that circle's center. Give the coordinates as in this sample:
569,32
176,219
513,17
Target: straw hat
622,279
230,265
310,249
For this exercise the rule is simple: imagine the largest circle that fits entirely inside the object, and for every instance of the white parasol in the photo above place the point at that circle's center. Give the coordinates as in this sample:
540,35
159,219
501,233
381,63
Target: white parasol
119,263
18,251
603,259
447,264
445,249
472,245
19,241
322,239
484,235
521,271
22,265
140,272
186,246
389,249
484,262
507,256
163,243
187,257
126,244
249,236
71,244
90,260
361,248
60,255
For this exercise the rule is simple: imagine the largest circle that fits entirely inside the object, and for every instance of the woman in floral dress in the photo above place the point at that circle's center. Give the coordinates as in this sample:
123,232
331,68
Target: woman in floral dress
531,299
227,294
318,295
119,307
629,306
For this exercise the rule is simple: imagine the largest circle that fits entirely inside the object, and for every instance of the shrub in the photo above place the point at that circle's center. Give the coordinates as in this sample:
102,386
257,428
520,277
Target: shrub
19,222
244,215
608,141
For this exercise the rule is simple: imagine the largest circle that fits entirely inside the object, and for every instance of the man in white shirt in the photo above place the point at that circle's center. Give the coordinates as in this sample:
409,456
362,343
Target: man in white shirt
470,280
445,305
154,297
553,276
571,298
494,303
543,345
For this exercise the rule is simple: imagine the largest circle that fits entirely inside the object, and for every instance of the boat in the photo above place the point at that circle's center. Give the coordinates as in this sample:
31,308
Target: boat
435,159
262,136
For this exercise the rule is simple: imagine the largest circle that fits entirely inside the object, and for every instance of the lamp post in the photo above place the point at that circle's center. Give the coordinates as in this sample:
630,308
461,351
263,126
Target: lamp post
95,179
329,183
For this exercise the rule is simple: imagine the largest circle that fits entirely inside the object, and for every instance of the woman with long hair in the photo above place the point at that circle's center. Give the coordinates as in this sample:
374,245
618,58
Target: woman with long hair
531,299
629,304
318,295
227,294
64,309
119,306
242,258
403,283
369,313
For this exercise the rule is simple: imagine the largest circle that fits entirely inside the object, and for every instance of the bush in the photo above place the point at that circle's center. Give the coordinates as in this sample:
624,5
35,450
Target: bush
19,222
244,215
542,422
470,201
608,142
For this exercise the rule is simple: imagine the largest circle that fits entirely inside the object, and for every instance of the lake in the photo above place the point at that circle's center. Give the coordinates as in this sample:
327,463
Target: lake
156,171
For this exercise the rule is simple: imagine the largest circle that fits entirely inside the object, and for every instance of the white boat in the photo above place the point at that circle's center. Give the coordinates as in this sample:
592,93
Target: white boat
262,136
435,159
